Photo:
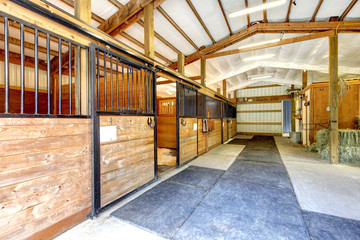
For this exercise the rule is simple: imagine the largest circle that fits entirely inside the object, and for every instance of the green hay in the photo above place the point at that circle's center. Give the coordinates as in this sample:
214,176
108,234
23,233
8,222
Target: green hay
349,145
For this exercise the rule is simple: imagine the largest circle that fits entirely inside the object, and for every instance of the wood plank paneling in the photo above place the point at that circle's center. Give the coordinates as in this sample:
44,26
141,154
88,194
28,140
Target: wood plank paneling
45,175
127,162
166,132
214,138
202,138
232,127
225,136
188,139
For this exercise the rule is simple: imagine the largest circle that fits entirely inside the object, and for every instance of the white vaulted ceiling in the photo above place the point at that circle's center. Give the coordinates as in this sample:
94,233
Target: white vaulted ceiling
289,60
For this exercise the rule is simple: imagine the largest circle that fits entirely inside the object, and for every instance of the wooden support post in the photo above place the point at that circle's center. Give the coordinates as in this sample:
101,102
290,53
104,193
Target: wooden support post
82,10
218,90
235,95
333,99
292,110
203,71
304,79
181,63
149,30
229,95
224,87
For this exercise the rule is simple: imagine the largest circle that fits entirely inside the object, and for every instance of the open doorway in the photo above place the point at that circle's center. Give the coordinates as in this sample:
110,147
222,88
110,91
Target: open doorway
166,125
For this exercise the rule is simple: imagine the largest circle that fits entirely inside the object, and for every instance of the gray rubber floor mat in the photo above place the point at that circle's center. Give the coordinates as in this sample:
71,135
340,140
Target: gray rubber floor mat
164,208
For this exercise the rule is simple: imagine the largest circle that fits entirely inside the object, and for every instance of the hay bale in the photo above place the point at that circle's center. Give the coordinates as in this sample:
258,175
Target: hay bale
349,145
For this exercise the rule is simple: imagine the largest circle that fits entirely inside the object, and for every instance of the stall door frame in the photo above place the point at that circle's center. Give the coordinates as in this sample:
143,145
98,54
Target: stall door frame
95,117
178,85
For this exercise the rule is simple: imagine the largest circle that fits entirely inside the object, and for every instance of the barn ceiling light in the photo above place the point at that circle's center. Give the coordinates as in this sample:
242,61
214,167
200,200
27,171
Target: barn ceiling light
260,57
262,76
259,43
257,8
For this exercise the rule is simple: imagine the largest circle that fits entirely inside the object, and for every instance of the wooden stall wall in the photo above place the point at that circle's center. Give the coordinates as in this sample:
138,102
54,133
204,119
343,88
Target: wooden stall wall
225,136
188,139
232,127
45,176
318,116
202,138
166,123
127,162
214,137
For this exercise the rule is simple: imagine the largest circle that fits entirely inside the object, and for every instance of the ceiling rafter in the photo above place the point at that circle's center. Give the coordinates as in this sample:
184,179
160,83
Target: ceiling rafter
141,22
93,15
162,11
226,19
127,11
265,13
247,15
292,27
275,44
140,44
347,10
316,11
200,20
288,12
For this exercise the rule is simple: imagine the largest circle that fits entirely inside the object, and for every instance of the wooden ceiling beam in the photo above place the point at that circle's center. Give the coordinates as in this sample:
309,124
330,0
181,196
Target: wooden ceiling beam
164,82
292,27
200,20
265,13
141,22
316,11
288,12
162,11
275,44
347,10
195,78
126,12
247,15
135,18
93,15
226,19
138,43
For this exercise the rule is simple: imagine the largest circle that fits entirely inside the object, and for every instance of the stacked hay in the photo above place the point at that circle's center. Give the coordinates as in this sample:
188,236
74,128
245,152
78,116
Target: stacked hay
349,145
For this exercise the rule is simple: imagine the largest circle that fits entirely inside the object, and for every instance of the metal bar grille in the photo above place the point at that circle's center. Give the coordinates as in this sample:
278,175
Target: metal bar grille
131,87
45,58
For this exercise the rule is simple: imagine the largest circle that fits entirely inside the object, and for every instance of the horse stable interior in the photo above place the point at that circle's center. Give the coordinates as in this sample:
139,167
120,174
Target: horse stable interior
179,119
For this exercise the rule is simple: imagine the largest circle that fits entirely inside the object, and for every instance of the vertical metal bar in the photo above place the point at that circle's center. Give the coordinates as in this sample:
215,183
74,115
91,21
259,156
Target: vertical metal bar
95,138
137,89
111,83
123,86
48,72
98,79
133,90
141,92
70,81
149,91
87,82
6,29
117,84
128,85
60,77
79,80
22,67
155,132
36,72
177,125
105,80
145,90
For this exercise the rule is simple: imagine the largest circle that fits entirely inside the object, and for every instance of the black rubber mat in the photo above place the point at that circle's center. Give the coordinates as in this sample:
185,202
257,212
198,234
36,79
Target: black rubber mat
326,227
164,208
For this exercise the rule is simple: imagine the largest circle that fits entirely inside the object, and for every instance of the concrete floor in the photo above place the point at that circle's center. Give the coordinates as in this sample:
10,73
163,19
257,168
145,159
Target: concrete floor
319,187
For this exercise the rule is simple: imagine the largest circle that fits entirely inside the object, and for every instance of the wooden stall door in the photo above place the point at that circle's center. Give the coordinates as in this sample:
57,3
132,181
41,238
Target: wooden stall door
225,132
202,138
188,128
127,161
232,127
214,137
